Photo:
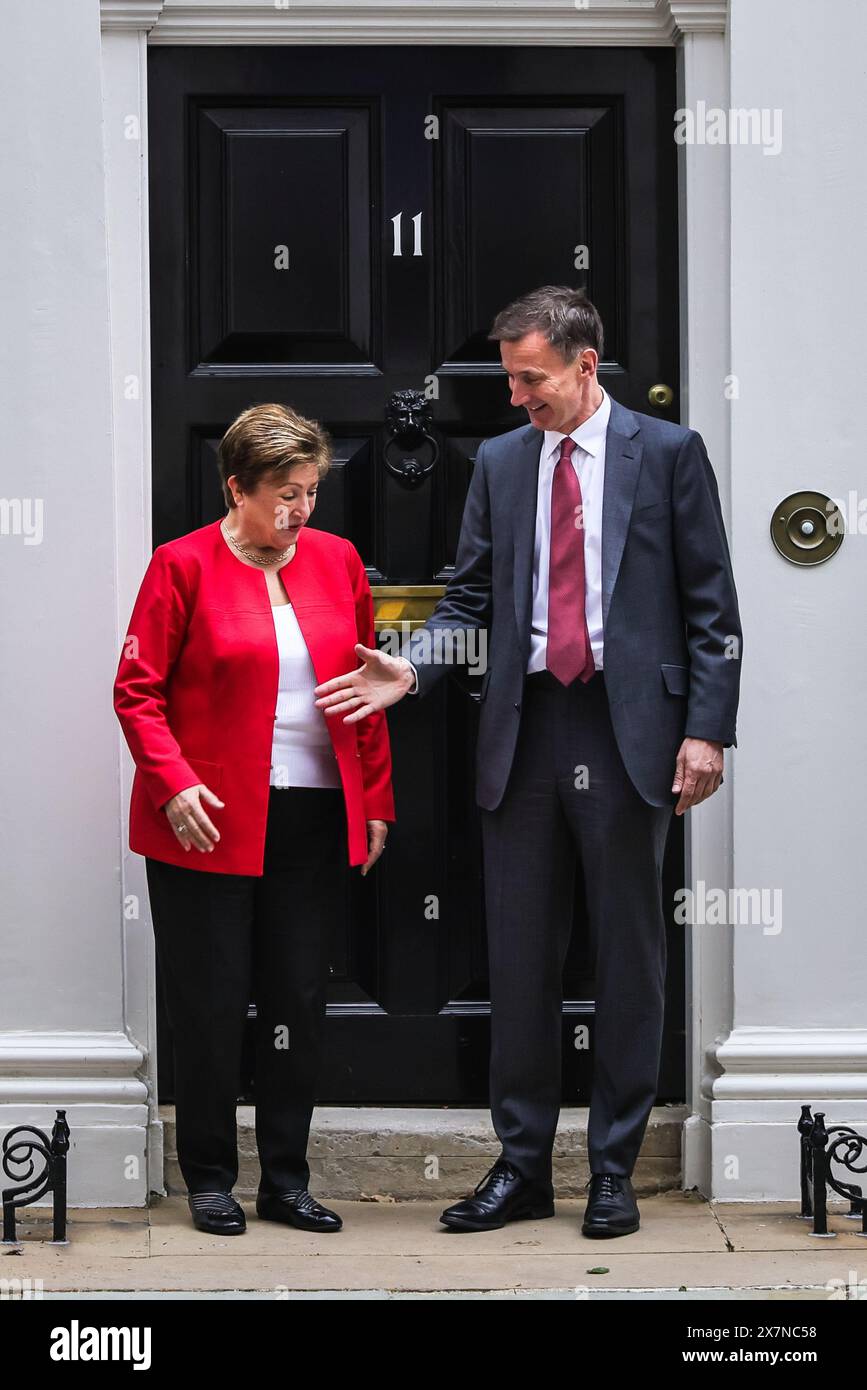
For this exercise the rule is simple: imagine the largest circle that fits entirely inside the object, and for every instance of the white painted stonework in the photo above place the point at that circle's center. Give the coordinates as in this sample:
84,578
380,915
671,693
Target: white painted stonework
772,289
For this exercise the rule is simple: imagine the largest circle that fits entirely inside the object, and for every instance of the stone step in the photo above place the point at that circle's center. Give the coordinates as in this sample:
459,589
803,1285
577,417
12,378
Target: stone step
380,1153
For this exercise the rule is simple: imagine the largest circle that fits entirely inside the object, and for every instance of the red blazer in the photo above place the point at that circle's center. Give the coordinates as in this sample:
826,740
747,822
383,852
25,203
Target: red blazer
196,691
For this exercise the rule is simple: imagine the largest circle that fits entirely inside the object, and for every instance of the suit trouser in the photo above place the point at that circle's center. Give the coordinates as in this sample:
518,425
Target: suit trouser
224,938
530,842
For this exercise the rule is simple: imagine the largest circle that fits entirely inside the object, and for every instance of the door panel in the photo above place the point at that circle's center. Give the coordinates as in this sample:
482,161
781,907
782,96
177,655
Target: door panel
498,244
330,226
314,310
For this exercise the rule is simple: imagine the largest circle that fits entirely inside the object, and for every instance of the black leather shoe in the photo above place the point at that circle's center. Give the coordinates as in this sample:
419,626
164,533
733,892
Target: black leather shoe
297,1208
217,1212
502,1195
611,1207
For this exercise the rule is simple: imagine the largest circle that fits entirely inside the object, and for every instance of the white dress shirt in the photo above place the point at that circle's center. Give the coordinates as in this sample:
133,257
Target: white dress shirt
588,460
302,754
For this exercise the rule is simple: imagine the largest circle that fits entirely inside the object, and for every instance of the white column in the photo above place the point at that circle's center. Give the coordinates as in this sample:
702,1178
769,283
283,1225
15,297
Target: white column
798,303
76,1021
125,133
704,228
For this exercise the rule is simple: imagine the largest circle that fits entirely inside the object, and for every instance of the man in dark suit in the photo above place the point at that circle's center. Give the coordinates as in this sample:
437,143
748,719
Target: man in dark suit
593,554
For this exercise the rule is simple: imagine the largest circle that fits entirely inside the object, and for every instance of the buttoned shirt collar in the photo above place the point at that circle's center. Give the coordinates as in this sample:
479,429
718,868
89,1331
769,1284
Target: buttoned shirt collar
590,435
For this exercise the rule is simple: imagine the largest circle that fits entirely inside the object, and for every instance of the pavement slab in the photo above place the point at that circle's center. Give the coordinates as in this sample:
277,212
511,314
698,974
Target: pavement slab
685,1247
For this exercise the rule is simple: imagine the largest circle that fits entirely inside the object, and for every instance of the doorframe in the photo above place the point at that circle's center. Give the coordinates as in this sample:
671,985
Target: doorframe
698,30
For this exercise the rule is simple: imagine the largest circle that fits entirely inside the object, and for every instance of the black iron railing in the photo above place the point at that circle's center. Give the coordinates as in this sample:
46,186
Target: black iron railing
17,1153
819,1149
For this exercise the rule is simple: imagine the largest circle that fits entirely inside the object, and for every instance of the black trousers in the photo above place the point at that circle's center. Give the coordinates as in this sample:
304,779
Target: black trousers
547,817
222,939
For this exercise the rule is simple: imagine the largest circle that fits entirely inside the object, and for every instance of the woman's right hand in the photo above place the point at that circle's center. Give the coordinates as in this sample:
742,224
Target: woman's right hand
185,809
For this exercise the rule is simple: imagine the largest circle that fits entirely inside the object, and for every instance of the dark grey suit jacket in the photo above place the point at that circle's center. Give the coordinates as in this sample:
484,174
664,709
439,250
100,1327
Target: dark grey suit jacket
671,628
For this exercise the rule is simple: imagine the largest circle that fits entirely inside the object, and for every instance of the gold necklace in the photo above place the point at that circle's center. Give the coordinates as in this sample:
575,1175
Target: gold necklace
257,559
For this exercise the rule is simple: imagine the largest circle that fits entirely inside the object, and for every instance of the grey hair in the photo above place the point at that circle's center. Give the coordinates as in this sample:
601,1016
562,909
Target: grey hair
566,317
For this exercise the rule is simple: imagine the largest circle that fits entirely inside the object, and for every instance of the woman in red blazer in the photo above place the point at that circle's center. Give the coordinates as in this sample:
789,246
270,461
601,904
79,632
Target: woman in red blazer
248,804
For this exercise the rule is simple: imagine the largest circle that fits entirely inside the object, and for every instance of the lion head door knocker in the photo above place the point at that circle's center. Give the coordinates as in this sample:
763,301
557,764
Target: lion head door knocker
411,451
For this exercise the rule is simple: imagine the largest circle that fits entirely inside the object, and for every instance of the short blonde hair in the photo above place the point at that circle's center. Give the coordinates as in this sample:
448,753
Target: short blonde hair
265,441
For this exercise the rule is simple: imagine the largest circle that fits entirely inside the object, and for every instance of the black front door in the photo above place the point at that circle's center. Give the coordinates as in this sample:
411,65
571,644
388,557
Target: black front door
330,226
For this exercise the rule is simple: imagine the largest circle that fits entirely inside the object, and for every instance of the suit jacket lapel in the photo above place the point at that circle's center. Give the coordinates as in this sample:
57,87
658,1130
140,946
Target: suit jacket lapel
524,489
622,465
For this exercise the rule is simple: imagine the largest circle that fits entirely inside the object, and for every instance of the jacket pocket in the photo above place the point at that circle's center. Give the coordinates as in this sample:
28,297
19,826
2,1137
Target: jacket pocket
648,508
209,773
676,678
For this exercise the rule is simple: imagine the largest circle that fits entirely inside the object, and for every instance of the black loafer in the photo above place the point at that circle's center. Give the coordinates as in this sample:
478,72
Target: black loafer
503,1195
297,1208
611,1207
217,1212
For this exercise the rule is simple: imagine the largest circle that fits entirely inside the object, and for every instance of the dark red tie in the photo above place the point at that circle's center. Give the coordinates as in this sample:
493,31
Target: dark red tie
569,653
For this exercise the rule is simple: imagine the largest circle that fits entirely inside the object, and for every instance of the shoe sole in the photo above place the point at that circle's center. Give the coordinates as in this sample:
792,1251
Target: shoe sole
316,1230
463,1223
596,1233
235,1231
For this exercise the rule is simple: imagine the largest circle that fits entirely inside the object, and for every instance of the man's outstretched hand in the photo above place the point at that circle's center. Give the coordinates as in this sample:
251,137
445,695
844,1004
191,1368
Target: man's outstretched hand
381,681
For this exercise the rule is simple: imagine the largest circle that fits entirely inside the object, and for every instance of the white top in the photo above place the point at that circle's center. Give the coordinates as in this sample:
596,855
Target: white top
588,460
301,753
